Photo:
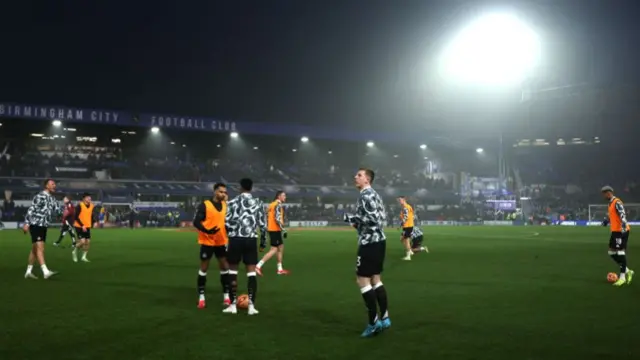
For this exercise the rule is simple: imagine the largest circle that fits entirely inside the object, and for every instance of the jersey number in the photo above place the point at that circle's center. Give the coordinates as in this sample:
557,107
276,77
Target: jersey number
358,262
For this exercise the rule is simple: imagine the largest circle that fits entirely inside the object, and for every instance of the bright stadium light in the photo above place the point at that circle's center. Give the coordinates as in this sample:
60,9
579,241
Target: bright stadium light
423,146
370,144
234,134
155,129
304,139
255,148
494,49
329,152
479,150
294,150
56,123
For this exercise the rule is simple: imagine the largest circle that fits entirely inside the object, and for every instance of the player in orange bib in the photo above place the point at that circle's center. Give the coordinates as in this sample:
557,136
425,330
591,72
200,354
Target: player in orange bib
83,224
277,233
406,221
617,221
212,237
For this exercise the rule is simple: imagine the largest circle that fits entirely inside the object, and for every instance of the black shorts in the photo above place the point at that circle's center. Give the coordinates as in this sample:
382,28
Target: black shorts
207,252
618,241
38,233
83,234
370,259
275,237
416,242
65,228
406,232
242,249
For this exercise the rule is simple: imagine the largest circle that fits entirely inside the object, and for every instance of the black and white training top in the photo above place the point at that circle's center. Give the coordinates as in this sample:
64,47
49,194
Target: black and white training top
42,209
245,216
369,217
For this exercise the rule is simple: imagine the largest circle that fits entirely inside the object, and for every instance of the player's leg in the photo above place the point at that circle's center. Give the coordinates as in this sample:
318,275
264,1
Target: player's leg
381,297
205,256
79,245
234,255
63,232
250,258
274,241
221,255
86,246
72,233
32,259
281,270
42,232
363,278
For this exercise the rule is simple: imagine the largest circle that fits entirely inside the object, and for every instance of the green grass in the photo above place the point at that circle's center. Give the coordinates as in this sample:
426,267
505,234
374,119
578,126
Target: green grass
482,293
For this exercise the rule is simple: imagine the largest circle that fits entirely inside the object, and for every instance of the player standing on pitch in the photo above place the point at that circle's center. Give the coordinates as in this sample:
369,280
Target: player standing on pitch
212,237
37,221
369,221
83,224
68,216
245,215
406,220
617,221
277,232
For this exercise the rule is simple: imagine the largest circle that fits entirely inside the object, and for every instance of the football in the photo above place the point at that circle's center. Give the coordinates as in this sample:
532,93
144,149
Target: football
242,302
612,277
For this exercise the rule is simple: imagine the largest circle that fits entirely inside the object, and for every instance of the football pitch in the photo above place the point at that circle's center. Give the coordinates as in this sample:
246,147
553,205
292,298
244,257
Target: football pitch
481,293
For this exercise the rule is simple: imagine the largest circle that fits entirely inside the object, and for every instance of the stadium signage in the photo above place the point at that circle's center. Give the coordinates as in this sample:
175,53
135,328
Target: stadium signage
189,123
308,223
61,113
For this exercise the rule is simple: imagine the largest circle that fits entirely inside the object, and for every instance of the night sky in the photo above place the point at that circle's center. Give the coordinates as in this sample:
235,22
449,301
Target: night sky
305,62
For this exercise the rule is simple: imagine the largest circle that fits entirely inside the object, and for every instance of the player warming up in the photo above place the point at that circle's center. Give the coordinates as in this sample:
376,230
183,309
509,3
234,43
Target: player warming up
368,221
84,222
212,237
37,221
406,220
277,232
416,241
617,221
68,216
245,214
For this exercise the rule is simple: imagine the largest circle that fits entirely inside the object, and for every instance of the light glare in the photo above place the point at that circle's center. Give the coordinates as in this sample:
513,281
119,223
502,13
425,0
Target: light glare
370,144
155,129
479,150
423,146
304,139
57,123
495,49
234,134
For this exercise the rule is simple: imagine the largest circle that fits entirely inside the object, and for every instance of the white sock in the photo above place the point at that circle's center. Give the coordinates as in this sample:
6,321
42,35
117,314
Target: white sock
75,250
84,255
225,296
201,297
29,268
279,266
260,263
45,269
408,252
622,276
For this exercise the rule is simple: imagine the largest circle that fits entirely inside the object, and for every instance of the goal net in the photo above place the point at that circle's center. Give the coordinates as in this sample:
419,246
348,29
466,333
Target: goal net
597,212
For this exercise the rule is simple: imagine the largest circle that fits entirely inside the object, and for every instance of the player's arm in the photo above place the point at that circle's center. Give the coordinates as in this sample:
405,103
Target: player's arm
36,204
622,214
405,215
360,217
280,218
199,217
262,224
229,217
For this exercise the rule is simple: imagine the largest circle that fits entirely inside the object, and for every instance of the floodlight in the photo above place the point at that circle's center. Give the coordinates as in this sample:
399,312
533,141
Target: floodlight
494,49
57,123
234,134
155,129
304,139
370,144
479,150
423,146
